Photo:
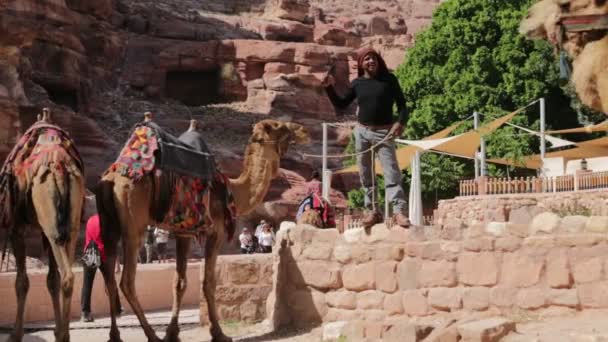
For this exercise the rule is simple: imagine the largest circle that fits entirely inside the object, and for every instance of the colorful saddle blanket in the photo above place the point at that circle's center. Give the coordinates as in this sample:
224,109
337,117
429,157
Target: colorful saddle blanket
42,146
183,170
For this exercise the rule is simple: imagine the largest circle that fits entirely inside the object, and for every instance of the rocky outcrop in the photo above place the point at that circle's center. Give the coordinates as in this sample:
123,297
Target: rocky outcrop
99,65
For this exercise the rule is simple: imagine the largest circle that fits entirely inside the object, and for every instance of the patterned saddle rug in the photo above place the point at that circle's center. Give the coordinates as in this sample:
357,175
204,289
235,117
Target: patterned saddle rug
42,147
184,173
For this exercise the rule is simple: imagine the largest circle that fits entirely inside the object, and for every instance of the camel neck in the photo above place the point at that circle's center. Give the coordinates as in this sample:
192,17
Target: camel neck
259,168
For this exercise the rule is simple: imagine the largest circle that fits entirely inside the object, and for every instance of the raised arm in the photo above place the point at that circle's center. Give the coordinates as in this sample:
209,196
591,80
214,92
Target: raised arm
337,100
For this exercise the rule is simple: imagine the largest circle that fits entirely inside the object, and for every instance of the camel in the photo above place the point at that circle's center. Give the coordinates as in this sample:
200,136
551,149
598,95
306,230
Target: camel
311,217
127,207
42,184
587,48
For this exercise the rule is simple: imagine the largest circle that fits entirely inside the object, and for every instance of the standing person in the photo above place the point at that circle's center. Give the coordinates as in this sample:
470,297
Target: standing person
149,244
162,238
376,90
92,236
267,239
246,240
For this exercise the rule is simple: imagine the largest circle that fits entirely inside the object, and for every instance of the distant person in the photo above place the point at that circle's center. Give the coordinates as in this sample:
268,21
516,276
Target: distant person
149,244
376,90
246,240
162,238
267,239
92,243
314,200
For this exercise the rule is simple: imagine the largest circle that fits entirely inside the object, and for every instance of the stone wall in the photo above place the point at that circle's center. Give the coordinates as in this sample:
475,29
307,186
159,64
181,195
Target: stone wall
236,287
553,264
243,285
518,208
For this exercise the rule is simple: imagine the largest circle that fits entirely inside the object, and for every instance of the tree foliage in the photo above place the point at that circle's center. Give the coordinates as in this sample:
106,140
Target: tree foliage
472,58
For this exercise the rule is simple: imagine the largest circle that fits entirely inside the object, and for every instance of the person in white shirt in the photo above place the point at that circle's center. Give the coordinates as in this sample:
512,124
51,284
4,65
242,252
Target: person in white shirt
246,240
267,239
162,238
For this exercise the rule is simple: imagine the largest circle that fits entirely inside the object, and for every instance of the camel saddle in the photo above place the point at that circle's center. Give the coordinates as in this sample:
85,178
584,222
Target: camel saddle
150,147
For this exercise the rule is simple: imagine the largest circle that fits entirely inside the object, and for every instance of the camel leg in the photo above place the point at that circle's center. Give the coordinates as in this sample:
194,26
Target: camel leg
179,286
212,249
66,278
22,283
107,270
127,282
53,285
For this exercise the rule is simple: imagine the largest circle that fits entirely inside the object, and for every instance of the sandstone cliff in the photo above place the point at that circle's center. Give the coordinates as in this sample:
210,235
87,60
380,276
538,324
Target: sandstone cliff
100,64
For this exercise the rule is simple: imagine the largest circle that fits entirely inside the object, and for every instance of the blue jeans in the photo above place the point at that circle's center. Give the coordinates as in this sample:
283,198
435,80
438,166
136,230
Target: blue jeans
364,139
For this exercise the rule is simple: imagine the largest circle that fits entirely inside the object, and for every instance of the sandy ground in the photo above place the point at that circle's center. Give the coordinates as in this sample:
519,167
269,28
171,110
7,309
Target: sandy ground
588,326
191,331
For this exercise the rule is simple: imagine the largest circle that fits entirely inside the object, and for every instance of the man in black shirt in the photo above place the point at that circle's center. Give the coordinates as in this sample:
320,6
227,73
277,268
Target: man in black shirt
376,90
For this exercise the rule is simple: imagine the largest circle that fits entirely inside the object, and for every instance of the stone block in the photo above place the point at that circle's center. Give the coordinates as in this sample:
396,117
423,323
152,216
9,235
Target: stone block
325,237
415,303
539,241
427,250
593,295
244,272
451,249
378,233
360,253
546,223
373,331
386,276
341,299
332,331
478,269
318,275
558,269
407,274
503,296
445,299
354,330
353,235
531,298
584,239
370,299
496,228
487,330
523,215
335,314
359,277
393,304
587,271
573,224
566,297
437,274
342,254
507,243
520,270
404,332
308,305
518,229
597,224
484,243
317,252
475,298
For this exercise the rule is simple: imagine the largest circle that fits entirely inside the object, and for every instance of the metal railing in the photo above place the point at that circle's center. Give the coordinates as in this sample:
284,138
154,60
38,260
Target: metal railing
521,185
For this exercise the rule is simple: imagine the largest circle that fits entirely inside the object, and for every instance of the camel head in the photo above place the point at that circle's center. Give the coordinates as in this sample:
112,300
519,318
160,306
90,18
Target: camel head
277,136
542,21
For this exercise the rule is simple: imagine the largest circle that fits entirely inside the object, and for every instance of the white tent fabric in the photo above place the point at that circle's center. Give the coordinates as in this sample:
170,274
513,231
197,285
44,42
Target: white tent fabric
426,144
555,142
415,203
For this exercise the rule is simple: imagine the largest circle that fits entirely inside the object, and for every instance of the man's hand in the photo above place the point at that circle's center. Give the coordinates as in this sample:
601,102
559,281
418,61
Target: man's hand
396,130
329,80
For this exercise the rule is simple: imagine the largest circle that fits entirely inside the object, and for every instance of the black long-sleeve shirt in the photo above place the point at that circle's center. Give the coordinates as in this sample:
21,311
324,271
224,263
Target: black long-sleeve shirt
375,97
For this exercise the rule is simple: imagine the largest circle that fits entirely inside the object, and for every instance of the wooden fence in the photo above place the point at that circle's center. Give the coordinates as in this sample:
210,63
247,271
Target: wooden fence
522,185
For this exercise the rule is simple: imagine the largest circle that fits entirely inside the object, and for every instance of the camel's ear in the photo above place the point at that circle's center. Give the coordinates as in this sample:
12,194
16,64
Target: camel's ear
261,132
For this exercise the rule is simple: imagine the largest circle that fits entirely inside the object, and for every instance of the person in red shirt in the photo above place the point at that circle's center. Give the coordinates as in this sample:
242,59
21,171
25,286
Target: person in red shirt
92,234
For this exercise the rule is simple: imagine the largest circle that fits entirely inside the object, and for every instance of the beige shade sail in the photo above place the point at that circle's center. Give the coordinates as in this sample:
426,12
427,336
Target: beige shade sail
467,144
406,153
600,127
585,149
